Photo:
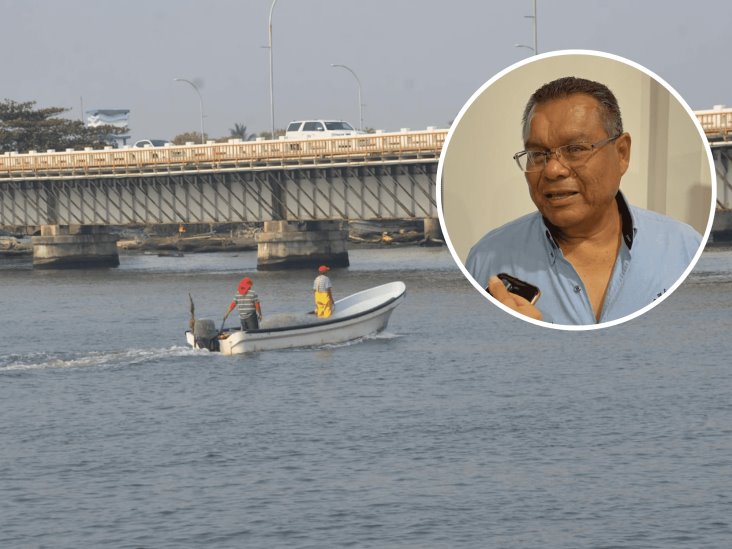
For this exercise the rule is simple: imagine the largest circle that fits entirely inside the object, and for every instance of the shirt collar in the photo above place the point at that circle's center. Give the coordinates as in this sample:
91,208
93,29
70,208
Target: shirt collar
629,226
629,229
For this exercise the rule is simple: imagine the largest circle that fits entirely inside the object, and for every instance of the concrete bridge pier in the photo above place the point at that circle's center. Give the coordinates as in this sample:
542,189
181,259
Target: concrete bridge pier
74,247
306,244
433,232
721,227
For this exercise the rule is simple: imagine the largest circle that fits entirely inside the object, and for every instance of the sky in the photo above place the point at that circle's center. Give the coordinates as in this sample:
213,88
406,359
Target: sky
418,61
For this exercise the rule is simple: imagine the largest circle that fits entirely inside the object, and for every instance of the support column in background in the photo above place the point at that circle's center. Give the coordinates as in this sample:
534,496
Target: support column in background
292,245
74,247
433,232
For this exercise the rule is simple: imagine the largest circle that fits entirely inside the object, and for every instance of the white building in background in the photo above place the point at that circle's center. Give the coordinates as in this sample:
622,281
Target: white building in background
110,117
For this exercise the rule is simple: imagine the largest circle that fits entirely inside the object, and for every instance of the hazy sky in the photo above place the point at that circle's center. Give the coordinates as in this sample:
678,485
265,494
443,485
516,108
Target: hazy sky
418,60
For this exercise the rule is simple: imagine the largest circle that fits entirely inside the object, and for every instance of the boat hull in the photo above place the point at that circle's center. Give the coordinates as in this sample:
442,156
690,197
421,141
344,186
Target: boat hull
357,316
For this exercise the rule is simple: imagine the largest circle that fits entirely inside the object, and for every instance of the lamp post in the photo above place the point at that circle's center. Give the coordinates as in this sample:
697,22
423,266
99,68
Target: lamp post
360,104
271,79
536,39
200,100
535,49
525,46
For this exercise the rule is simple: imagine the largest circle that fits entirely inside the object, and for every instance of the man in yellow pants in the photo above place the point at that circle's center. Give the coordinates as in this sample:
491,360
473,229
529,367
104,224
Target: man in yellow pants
323,293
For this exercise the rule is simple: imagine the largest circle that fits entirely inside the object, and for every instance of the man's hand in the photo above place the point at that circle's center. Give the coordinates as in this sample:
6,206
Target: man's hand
512,301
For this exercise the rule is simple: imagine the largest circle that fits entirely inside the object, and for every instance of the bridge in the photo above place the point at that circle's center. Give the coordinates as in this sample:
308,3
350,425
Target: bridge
717,126
319,182
373,176
301,190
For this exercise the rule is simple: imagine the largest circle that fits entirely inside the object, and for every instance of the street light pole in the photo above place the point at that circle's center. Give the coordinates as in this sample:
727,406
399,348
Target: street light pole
525,46
360,104
200,101
271,79
536,40
535,49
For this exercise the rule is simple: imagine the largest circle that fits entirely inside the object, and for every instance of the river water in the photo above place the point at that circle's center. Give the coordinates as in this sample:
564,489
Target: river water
459,427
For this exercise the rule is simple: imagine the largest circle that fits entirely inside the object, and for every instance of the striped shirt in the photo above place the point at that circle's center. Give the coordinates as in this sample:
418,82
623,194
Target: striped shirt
247,303
321,284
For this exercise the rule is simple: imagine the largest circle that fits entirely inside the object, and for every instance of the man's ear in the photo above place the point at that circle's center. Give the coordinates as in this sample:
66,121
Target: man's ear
622,146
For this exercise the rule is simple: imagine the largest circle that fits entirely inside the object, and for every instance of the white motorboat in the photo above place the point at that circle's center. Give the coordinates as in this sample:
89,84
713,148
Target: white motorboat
355,316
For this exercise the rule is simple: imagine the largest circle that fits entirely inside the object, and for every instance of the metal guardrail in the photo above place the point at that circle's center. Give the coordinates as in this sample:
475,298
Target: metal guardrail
212,156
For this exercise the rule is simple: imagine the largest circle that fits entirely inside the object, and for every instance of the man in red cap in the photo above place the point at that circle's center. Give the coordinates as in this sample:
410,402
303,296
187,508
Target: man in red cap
246,299
323,293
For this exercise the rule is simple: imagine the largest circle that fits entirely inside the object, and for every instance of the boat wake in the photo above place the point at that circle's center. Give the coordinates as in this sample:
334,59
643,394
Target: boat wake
43,361
372,337
384,335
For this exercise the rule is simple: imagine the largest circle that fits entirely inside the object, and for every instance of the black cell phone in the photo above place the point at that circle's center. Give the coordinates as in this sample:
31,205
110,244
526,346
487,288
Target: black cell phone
517,286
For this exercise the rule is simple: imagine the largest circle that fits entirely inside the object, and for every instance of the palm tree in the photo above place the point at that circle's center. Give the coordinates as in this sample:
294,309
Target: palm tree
239,131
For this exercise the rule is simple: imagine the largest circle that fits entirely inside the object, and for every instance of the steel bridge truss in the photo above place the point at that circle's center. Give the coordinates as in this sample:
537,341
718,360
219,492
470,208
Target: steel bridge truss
368,191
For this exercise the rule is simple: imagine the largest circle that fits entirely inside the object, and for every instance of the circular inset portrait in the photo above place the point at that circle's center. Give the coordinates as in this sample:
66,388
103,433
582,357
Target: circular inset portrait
576,190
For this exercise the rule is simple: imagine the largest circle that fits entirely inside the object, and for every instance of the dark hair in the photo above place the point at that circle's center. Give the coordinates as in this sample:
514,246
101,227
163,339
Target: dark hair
570,85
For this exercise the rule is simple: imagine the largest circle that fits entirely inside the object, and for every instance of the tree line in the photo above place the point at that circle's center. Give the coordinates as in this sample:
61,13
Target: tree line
239,131
25,127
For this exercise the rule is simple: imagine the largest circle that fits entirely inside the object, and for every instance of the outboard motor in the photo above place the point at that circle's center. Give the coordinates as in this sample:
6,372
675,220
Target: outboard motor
205,334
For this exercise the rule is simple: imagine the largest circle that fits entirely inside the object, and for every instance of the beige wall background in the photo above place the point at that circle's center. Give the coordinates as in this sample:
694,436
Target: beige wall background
482,188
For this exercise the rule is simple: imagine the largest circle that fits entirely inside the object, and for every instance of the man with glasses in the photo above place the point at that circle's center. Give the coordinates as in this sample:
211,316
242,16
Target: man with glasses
594,257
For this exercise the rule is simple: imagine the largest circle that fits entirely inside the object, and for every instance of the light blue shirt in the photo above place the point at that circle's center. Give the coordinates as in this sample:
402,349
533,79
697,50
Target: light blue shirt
655,252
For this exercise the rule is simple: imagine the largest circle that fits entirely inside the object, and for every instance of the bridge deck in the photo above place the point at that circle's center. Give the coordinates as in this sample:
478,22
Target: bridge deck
374,176
217,157
716,123
395,147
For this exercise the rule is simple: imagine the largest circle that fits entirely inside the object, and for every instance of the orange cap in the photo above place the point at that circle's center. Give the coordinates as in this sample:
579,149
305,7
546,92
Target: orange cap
323,269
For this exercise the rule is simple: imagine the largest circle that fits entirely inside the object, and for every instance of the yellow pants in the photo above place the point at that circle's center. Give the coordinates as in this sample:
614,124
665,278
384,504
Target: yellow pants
323,304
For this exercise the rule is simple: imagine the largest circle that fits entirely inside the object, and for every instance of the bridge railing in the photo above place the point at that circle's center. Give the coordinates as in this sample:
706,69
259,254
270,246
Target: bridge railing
716,123
373,147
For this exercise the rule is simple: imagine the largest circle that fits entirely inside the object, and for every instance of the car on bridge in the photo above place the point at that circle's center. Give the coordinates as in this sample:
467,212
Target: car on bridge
151,143
319,129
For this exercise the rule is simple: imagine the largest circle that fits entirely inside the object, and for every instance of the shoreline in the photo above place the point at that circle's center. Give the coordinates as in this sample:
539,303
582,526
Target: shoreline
151,241
174,246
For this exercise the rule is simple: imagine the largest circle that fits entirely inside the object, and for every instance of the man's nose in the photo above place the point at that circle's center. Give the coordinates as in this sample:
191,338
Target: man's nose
554,169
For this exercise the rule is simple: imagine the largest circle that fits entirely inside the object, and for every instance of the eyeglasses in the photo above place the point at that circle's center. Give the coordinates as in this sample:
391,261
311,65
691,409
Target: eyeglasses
569,156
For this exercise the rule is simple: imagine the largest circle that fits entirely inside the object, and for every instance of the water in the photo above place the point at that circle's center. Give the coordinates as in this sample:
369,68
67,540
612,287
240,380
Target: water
459,427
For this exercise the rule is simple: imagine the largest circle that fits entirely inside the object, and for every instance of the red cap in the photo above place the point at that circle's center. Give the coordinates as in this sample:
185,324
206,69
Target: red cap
323,269
244,285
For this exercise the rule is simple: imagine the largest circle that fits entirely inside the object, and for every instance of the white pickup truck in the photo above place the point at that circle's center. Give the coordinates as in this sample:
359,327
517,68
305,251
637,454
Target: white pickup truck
319,129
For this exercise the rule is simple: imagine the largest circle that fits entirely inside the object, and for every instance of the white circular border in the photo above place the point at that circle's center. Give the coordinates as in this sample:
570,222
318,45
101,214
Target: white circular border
712,171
